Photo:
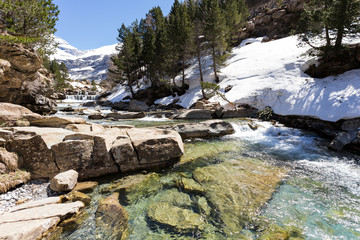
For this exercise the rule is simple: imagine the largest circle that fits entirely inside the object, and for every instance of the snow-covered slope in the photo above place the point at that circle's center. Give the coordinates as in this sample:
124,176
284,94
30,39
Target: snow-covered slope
270,74
88,64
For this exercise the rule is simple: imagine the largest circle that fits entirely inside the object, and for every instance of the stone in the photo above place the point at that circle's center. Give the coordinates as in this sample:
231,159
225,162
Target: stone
137,106
126,115
278,14
122,126
206,105
195,114
342,139
57,122
351,124
35,204
250,26
13,112
96,116
111,219
79,196
240,112
24,80
61,211
27,230
180,219
34,144
99,161
89,127
190,185
8,161
85,187
250,184
156,145
64,182
12,179
207,129
124,154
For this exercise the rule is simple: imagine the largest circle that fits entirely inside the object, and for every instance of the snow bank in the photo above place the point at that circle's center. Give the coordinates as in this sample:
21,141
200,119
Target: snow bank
269,74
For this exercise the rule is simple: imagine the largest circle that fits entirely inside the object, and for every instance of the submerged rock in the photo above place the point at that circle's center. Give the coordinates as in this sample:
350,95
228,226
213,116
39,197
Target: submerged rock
179,219
237,190
85,187
111,219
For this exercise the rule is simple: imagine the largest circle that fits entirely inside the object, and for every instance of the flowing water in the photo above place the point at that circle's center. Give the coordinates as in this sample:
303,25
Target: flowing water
270,183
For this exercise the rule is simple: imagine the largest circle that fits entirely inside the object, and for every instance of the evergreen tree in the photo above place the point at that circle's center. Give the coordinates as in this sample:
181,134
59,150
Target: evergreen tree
33,19
214,32
180,38
330,20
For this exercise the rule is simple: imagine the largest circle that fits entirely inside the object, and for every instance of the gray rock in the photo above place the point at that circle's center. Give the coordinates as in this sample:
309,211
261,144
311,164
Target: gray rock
207,129
137,106
96,116
195,114
342,139
64,182
126,115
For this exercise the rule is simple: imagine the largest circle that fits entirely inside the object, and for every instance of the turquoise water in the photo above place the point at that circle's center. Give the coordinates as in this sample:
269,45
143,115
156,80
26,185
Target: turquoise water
319,196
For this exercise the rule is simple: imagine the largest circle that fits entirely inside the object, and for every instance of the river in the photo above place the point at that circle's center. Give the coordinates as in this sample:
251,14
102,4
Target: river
314,193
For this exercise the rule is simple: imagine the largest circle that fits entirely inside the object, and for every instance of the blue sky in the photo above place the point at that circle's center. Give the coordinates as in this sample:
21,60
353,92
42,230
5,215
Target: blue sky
89,24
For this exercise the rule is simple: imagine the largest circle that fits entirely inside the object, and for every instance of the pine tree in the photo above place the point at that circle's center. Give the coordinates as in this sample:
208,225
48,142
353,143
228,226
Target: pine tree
33,19
215,32
330,20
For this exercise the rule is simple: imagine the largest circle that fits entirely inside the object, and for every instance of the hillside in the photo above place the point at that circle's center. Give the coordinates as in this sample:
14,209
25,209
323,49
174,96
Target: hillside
84,64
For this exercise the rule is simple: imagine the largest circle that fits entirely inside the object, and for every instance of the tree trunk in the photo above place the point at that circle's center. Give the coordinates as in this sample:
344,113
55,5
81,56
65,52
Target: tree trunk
328,42
341,24
200,68
214,65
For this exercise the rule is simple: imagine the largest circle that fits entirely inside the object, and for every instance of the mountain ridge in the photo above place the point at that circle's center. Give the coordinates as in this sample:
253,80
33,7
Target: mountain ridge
90,64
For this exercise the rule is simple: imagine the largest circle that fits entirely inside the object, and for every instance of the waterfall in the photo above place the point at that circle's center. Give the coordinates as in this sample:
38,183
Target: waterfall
81,97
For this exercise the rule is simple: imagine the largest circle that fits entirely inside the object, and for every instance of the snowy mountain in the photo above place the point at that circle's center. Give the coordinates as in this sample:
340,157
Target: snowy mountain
84,64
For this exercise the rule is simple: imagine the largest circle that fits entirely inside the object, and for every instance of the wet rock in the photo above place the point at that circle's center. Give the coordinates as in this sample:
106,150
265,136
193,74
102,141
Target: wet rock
57,122
190,185
111,219
126,115
195,114
75,196
180,219
249,185
207,129
351,124
137,106
342,139
64,182
96,116
85,187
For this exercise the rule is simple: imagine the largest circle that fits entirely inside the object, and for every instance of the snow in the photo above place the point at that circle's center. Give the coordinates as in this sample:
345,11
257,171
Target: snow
270,74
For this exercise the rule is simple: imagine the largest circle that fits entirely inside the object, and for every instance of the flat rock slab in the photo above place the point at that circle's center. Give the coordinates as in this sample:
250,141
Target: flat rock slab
13,112
42,212
27,230
57,121
33,220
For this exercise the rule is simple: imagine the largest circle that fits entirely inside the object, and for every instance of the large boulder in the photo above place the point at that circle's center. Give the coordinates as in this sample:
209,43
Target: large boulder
111,219
126,115
64,182
342,139
23,79
137,106
207,129
154,146
12,112
34,146
240,112
124,154
196,114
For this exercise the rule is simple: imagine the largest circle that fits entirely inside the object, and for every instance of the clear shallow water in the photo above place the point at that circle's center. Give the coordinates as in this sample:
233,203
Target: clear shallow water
320,195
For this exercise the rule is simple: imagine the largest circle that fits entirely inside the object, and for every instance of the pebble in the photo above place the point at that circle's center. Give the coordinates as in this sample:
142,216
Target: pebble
33,190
